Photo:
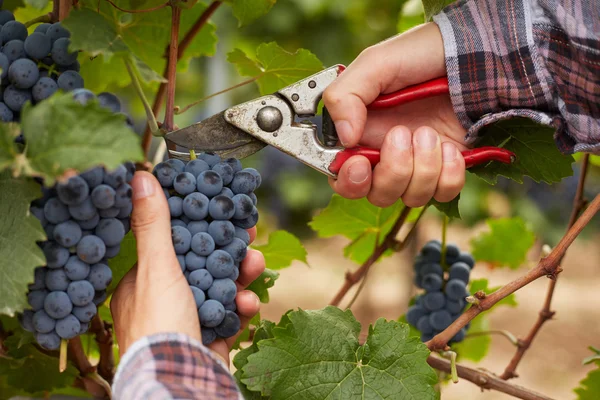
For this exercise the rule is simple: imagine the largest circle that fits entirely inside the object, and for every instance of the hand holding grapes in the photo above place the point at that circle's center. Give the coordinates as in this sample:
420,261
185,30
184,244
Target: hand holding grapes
154,296
420,142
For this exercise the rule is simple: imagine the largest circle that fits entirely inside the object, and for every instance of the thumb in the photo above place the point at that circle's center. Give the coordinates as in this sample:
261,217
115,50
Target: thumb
151,223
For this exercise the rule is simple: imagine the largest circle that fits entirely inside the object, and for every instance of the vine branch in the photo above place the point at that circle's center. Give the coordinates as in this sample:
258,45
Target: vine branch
104,338
547,266
169,122
88,379
185,42
352,278
486,380
138,11
546,313
38,20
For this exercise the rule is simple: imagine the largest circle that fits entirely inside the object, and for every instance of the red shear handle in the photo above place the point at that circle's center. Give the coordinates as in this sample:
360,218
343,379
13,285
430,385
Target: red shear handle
420,91
480,155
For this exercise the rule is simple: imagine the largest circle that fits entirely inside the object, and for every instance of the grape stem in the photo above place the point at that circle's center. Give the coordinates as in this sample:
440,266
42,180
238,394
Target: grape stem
511,338
451,355
579,203
150,117
185,43
138,11
62,362
547,266
104,339
46,18
169,122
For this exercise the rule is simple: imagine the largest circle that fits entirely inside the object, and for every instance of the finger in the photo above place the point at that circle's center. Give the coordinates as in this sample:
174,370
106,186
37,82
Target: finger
248,305
252,233
354,179
452,177
392,175
427,153
151,225
250,269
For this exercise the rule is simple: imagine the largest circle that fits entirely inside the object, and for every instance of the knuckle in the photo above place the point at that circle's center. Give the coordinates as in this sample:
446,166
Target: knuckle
380,201
141,222
332,97
415,201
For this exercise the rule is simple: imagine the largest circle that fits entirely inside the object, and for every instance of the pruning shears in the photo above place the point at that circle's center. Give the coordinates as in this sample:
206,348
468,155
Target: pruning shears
276,120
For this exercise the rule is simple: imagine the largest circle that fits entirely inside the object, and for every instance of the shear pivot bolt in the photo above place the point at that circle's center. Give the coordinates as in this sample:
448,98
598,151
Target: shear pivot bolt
269,119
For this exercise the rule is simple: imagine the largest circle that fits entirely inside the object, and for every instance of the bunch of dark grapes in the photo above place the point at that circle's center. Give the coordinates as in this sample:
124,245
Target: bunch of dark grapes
85,220
34,66
445,289
212,204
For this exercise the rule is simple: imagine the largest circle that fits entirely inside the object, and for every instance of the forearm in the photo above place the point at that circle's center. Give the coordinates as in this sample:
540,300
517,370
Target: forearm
539,60
170,366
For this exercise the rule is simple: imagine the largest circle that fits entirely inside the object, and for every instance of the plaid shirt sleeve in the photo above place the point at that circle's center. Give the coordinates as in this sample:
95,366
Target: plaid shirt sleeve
172,366
538,59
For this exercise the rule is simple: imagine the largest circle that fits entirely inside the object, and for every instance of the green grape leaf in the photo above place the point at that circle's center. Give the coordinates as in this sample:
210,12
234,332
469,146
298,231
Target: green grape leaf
593,358
25,361
247,11
506,244
589,387
413,331
63,135
450,208
359,221
8,149
537,154
19,232
281,250
37,4
388,365
263,283
275,68
124,261
433,7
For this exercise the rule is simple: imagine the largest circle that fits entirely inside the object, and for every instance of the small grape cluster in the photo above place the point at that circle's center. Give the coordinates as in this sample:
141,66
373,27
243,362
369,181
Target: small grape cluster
445,290
85,220
34,66
212,204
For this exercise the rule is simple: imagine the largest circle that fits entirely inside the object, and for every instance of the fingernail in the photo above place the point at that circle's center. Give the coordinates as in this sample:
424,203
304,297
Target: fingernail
358,172
344,131
448,152
142,187
426,139
401,139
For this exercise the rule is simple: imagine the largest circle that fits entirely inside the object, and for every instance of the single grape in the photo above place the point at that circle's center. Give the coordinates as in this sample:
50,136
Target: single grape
112,212
6,16
203,244
91,249
200,278
243,206
460,271
74,191
237,249
452,253
242,234
39,279
75,269
42,322
6,114
100,276
434,301
89,224
111,231
117,177
414,313
60,52
455,289
58,305
222,232
230,306
432,251
93,176
37,45
197,227
69,81
130,167
23,73
196,166
209,183
208,335
222,290
165,174
193,261
235,274
226,192
184,183
431,268
26,321
234,163
13,50
211,313
67,233
178,222
249,222
256,174
123,195
220,264
243,182
455,307
103,196
56,279
56,255
175,206
57,31
125,212
467,259
100,297
16,98
49,341
221,207
85,313
424,325
42,28
210,158
181,239
431,282
43,89
199,296
195,206
68,327
440,320
84,211
13,30
230,325
81,292
36,298
225,170
109,101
